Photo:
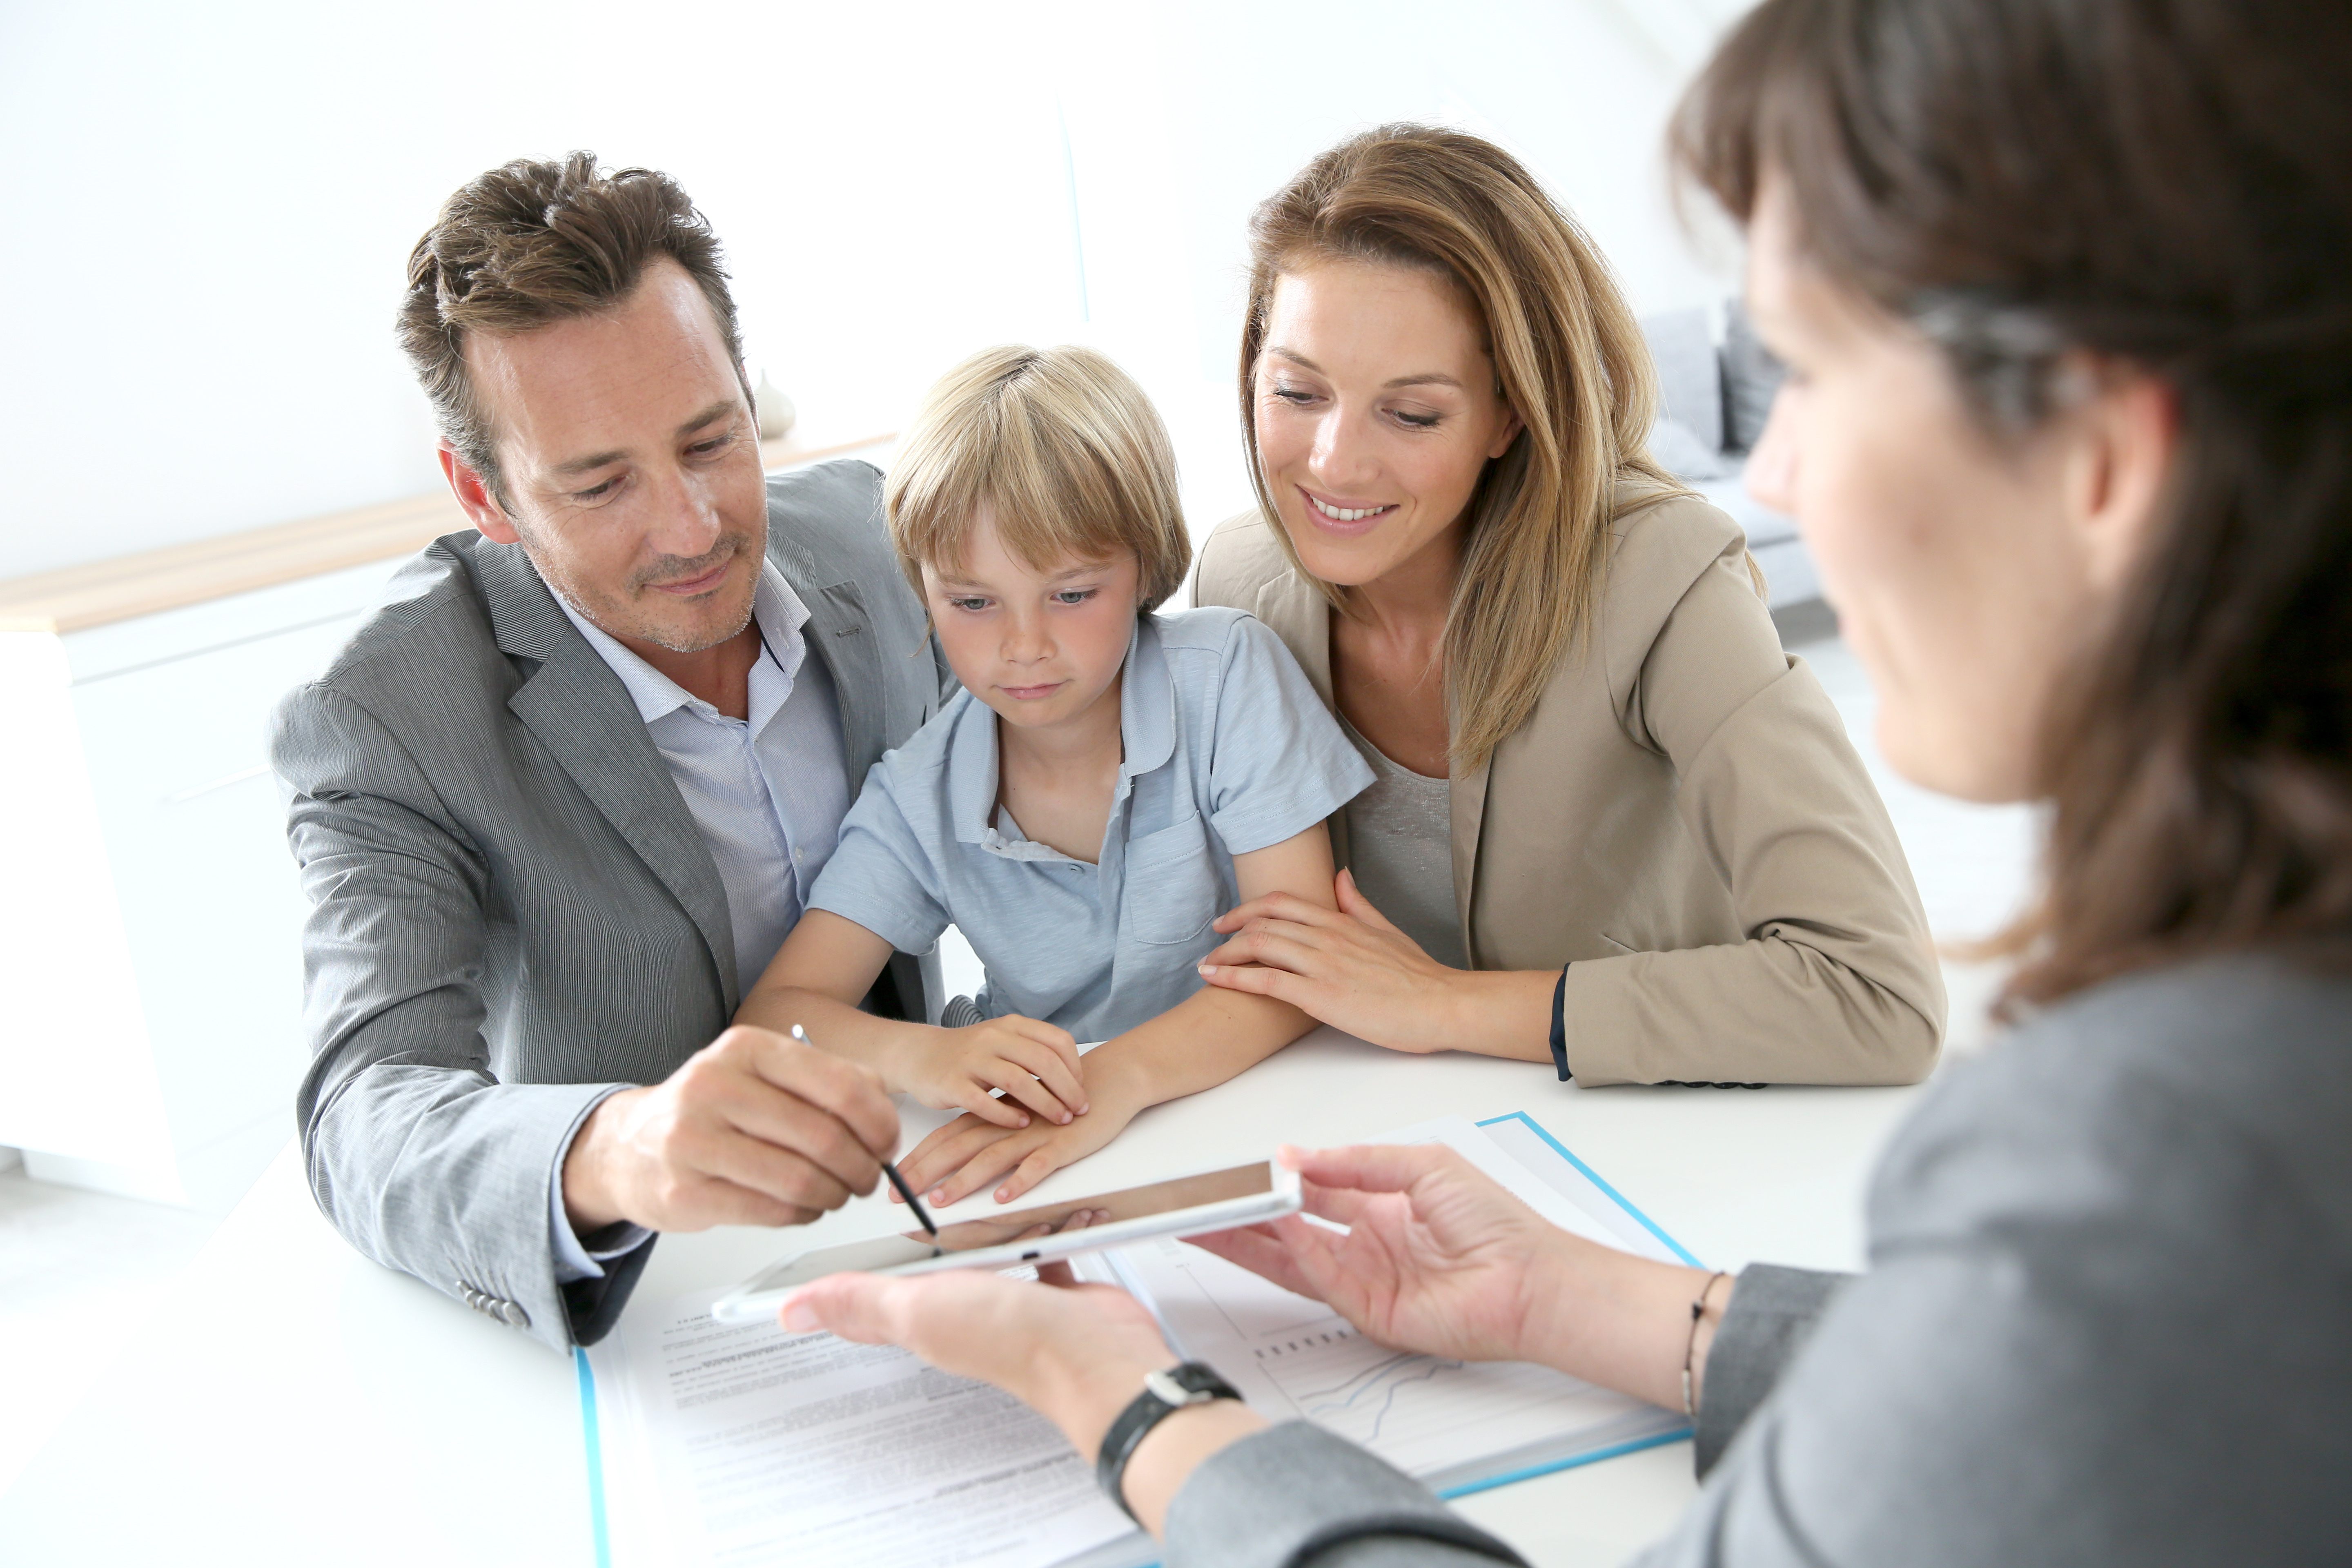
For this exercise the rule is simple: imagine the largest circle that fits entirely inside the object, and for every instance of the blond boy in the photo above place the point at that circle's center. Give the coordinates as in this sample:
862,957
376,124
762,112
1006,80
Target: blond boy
1108,782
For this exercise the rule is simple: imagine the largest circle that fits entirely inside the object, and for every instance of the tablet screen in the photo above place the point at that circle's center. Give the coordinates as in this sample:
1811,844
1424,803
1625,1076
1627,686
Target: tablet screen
1046,1219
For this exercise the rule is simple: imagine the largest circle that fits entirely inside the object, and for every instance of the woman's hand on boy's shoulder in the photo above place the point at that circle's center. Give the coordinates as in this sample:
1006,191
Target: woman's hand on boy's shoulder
1035,1064
968,1154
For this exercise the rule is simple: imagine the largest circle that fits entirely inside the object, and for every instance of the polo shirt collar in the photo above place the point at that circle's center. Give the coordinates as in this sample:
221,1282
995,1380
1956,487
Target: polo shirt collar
775,609
1147,734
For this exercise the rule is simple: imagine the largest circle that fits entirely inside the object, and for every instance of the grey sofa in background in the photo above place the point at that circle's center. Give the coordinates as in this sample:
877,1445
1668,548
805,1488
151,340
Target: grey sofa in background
1715,397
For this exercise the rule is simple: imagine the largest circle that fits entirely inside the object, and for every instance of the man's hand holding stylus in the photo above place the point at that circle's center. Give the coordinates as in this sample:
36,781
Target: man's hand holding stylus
754,1128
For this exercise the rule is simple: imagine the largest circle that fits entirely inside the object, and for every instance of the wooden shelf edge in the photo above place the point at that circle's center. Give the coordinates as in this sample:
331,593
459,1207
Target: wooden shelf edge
77,598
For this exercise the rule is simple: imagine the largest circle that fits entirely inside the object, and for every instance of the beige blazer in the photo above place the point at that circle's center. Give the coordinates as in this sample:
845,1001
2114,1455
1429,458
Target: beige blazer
1682,819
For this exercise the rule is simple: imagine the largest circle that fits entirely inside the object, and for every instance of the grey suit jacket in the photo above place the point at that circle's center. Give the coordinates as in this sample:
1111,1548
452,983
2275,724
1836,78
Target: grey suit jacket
513,911
2105,1322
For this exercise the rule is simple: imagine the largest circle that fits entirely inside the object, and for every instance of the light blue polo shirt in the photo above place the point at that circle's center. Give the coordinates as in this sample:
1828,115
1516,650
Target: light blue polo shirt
1227,750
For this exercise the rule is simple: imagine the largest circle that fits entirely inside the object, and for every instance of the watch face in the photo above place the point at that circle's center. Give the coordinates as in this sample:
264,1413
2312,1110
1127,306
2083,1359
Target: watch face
1172,1387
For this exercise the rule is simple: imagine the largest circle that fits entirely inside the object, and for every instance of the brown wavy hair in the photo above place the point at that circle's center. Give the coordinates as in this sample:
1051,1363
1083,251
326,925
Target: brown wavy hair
2164,184
538,241
1572,365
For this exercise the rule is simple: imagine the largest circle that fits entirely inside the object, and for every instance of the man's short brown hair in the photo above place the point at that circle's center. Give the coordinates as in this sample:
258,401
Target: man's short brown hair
535,242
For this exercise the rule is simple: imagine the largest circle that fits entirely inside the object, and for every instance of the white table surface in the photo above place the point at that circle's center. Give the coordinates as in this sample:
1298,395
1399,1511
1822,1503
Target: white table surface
294,1404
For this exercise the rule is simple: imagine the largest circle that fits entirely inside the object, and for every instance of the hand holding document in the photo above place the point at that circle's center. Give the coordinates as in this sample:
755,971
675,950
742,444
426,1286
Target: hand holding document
746,1445
725,1445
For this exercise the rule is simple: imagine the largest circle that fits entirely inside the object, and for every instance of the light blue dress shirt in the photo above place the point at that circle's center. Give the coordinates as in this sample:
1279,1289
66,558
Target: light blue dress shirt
768,791
1227,750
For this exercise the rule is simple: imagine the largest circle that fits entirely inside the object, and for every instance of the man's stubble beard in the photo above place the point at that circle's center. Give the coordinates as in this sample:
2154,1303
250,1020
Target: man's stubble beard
616,619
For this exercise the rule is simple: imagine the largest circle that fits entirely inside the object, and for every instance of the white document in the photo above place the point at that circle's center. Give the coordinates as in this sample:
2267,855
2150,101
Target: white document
1448,1422
727,1447
749,1446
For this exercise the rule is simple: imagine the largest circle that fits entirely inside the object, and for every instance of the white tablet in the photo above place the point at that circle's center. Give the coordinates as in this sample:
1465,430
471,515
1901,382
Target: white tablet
1185,1205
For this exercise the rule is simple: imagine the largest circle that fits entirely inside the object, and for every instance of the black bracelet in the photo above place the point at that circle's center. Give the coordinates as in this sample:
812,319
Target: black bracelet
1164,1393
1559,1025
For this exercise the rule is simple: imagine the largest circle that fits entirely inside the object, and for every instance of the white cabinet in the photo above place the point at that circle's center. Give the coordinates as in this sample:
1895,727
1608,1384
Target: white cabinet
150,918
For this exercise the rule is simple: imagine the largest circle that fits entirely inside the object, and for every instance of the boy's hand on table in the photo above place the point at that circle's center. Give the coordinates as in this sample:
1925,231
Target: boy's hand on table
968,1154
1035,1064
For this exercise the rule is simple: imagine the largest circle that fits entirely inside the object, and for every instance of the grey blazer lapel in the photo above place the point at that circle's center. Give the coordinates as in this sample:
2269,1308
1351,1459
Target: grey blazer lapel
843,636
583,715
841,633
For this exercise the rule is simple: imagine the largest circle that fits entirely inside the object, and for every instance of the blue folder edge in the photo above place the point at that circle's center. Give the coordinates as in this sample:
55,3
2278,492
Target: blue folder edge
1589,1174
595,1459
596,1452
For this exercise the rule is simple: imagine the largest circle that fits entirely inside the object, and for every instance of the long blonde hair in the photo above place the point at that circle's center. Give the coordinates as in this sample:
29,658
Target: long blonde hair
1570,361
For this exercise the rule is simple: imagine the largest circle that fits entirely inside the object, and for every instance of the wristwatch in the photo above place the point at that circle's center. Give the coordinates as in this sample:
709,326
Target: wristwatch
1164,1393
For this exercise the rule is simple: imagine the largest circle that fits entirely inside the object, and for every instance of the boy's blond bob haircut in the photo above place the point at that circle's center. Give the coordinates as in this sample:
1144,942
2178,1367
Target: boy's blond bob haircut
1063,451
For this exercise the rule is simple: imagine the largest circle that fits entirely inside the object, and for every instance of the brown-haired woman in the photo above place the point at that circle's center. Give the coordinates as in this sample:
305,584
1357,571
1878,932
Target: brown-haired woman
2063,289
1614,827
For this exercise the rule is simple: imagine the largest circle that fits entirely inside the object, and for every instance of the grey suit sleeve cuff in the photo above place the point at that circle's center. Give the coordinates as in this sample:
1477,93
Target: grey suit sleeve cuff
574,1259
1771,1314
1296,1496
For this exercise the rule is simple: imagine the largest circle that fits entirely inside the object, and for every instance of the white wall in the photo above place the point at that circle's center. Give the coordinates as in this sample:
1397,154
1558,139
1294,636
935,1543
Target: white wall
210,205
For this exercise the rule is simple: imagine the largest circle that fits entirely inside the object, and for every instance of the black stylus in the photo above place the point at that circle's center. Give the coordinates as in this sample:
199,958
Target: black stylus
888,1169
913,1202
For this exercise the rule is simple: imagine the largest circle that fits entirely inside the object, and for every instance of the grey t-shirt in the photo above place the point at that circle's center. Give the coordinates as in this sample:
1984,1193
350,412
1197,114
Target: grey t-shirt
1401,850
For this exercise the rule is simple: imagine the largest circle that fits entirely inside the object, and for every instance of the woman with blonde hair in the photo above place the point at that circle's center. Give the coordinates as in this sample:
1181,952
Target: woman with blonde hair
1614,827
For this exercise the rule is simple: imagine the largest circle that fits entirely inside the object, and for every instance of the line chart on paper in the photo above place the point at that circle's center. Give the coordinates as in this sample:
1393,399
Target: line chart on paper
1295,1358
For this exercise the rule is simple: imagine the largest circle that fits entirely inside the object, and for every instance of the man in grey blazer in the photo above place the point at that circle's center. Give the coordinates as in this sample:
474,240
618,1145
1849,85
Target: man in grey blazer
557,802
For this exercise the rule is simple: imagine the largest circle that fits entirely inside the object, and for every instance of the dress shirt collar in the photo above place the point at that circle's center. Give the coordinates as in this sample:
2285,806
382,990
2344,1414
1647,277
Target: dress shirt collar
775,609
1147,734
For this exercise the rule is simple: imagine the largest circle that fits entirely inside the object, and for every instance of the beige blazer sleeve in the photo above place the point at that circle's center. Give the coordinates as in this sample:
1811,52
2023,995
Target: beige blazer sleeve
1683,820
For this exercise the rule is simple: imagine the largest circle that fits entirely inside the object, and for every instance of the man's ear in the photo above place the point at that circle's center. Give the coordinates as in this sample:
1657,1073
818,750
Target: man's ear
2121,468
482,509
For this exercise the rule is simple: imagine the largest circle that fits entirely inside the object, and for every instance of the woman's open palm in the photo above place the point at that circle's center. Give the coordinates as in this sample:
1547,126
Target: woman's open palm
1437,1257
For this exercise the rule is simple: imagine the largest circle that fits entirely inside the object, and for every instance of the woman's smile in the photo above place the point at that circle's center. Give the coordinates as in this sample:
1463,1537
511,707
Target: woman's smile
1345,517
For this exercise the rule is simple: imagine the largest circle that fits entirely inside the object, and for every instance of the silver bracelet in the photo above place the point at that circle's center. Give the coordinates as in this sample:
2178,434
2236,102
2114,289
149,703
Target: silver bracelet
1690,1346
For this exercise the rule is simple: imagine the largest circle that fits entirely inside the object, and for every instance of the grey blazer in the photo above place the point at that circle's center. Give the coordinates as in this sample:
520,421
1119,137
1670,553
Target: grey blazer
513,911
2105,1321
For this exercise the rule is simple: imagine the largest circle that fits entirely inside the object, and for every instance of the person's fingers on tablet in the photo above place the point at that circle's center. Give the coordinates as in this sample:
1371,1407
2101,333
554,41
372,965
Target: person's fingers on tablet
1260,1253
1374,1167
1314,1256
1344,1206
854,1306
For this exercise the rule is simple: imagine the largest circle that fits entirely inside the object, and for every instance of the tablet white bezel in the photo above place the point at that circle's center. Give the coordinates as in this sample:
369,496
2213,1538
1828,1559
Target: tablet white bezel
748,1302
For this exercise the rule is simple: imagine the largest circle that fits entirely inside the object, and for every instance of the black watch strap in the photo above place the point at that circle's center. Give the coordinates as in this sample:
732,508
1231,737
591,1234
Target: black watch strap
1164,1392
